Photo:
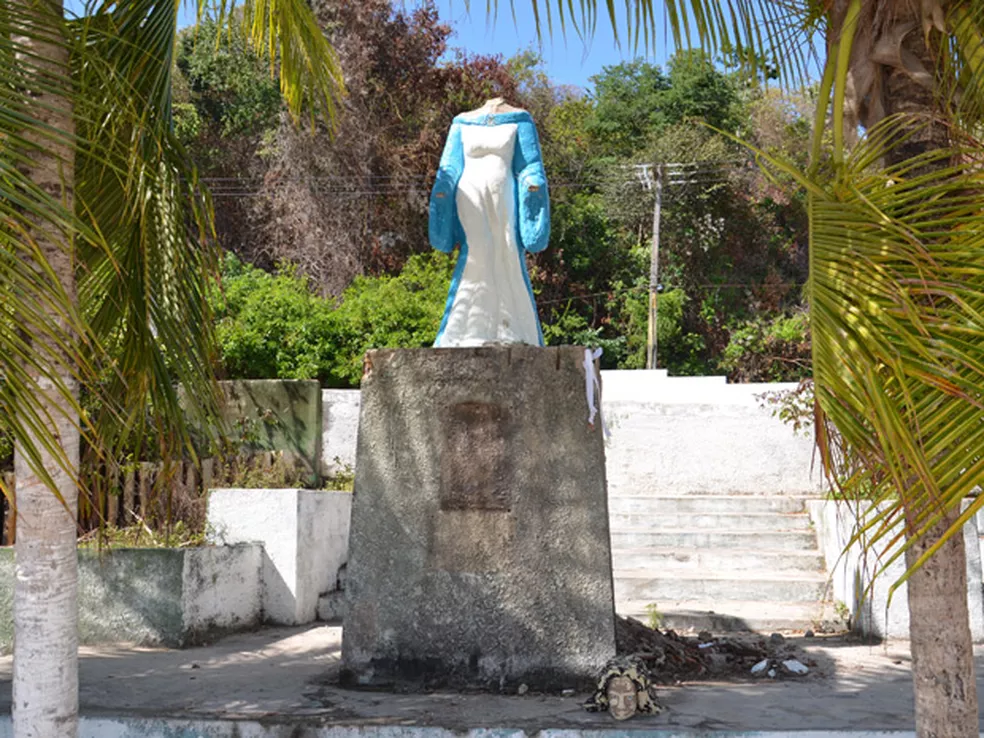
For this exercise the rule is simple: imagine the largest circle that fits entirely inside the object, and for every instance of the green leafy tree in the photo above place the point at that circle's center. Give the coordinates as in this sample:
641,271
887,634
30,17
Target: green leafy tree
628,106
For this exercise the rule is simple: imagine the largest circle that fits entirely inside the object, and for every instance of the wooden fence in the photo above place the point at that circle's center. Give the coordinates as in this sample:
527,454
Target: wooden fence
145,493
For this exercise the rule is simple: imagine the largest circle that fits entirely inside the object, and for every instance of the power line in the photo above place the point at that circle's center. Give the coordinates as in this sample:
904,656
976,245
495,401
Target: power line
677,173
229,187
703,286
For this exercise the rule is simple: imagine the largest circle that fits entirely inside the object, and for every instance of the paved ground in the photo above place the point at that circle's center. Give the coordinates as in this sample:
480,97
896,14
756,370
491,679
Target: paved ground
287,675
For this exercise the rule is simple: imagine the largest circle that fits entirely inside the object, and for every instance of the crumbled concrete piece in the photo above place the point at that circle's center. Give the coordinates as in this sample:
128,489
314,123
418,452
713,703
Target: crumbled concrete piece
760,667
704,636
523,689
777,639
795,667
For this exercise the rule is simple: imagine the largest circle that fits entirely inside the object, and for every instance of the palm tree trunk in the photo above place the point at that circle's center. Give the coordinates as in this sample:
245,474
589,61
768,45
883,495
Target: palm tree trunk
942,647
941,643
45,684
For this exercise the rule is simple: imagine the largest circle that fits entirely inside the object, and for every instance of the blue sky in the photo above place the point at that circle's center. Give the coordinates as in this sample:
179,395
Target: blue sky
568,60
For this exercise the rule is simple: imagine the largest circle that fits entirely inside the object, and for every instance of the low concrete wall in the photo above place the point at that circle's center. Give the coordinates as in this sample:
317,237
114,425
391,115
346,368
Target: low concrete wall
167,597
285,414
668,435
221,588
304,536
851,570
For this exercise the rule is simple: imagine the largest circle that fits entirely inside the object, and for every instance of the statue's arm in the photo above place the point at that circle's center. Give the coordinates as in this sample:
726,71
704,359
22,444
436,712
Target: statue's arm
531,181
442,209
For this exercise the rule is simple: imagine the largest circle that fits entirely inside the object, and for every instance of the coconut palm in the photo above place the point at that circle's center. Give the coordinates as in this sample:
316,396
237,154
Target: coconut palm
104,261
896,289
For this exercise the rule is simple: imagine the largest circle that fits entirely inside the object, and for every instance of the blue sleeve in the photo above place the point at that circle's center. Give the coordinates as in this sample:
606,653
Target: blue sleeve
443,214
531,183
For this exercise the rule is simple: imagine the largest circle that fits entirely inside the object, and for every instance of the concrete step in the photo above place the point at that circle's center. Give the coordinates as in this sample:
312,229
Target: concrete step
718,504
645,537
693,559
735,522
641,485
642,584
729,616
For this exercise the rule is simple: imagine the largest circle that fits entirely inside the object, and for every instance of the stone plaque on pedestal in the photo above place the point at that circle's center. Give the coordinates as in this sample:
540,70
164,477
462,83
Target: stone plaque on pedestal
479,550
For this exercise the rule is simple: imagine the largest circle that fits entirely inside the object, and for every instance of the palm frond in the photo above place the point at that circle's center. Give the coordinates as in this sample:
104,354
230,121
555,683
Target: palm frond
773,32
44,354
967,60
897,301
287,32
143,283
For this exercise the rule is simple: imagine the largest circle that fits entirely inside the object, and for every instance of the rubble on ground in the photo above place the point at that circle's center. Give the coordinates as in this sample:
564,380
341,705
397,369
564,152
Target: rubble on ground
671,657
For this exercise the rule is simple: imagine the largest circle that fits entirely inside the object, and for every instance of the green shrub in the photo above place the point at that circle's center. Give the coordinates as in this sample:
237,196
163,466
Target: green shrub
776,350
571,329
390,312
679,351
273,326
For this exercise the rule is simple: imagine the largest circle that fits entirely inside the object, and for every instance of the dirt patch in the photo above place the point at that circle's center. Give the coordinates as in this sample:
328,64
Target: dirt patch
673,658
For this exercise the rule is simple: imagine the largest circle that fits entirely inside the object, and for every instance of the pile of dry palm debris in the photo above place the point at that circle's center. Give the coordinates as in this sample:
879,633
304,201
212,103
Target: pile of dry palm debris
673,658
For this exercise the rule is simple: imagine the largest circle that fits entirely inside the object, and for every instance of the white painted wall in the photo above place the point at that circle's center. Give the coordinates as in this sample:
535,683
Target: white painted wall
668,435
304,534
851,572
221,587
339,427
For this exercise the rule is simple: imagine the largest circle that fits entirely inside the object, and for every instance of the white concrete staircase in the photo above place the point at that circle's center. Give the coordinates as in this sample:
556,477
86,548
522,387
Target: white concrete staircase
718,562
707,506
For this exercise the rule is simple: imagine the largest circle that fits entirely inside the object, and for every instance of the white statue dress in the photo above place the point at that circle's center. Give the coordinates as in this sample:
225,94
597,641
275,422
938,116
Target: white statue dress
490,198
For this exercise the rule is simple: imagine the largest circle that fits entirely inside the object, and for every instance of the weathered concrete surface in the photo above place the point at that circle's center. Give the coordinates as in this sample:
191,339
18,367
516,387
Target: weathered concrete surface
304,535
284,415
282,682
221,589
670,435
152,596
479,545
699,435
852,570
340,426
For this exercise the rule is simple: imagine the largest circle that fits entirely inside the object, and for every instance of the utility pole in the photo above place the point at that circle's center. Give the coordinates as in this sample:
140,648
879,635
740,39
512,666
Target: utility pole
645,172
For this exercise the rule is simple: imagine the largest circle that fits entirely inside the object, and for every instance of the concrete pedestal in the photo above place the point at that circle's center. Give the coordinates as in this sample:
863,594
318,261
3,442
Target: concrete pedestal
479,548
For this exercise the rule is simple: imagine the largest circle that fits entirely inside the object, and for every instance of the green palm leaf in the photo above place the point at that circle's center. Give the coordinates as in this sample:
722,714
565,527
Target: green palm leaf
45,352
897,298
286,31
144,291
762,31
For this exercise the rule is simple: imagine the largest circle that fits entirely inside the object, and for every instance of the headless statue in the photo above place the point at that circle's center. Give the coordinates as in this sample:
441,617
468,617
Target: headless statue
490,199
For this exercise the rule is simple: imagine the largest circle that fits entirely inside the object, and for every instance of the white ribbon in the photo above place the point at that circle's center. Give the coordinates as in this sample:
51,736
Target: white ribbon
592,386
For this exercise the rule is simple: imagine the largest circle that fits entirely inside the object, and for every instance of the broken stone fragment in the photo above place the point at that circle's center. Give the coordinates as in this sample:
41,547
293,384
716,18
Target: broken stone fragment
794,667
760,668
